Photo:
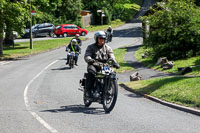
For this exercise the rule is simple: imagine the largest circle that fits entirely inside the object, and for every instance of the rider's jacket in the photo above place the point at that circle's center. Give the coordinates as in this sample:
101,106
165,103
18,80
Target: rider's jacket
73,48
110,31
101,54
79,41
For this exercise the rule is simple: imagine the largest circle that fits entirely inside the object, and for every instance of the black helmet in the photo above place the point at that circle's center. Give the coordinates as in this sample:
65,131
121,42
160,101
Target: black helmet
99,34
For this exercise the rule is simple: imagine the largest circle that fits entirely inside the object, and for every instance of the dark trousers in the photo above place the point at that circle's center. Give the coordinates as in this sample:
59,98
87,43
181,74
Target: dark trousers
90,78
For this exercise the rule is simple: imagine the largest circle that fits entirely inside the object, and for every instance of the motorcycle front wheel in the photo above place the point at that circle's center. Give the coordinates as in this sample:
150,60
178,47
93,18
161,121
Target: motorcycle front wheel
106,40
110,96
86,101
70,63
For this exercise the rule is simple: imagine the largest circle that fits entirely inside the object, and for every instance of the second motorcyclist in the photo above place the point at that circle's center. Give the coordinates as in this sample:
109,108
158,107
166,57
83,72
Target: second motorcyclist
97,52
79,41
73,47
110,32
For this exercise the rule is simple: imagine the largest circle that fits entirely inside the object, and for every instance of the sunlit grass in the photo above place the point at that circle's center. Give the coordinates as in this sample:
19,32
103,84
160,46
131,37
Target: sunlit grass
180,90
23,48
114,24
193,62
119,55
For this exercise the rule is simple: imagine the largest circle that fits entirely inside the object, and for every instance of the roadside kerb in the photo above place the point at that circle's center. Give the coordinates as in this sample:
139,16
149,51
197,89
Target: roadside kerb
175,106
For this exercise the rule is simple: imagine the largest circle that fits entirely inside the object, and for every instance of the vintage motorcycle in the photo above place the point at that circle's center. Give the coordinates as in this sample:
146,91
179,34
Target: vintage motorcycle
105,84
71,60
108,37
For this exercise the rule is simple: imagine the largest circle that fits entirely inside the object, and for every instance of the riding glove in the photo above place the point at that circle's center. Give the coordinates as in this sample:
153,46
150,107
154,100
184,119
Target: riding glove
116,65
91,61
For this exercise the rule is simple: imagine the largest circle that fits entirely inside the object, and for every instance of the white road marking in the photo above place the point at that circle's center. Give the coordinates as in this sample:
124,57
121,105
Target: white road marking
35,115
5,62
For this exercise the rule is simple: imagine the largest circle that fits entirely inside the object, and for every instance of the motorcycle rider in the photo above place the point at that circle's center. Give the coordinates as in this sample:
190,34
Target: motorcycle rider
73,47
110,32
100,52
79,41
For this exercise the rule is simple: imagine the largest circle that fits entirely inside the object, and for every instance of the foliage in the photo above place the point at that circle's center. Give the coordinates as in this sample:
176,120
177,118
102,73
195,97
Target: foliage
13,17
175,30
58,11
126,11
113,9
69,11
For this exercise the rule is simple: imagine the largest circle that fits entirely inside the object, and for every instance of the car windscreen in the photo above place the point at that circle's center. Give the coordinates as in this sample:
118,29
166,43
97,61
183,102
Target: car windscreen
35,26
58,27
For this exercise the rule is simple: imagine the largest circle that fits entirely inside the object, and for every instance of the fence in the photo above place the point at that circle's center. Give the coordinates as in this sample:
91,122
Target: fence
87,20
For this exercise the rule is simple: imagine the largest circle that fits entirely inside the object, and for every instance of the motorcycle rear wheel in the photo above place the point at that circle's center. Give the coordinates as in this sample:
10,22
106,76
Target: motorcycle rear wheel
110,96
71,63
86,101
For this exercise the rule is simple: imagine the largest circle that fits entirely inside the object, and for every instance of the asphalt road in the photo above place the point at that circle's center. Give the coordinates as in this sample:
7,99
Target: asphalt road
39,94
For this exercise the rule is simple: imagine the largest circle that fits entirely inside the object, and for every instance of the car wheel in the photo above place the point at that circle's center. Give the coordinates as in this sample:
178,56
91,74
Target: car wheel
65,35
83,33
51,34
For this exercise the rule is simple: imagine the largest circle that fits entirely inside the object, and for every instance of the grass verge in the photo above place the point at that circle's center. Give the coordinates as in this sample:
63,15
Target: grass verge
114,24
181,90
119,55
23,48
193,61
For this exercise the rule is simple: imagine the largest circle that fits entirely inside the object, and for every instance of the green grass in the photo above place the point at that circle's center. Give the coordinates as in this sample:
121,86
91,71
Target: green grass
135,4
114,24
181,90
119,55
132,6
194,61
23,48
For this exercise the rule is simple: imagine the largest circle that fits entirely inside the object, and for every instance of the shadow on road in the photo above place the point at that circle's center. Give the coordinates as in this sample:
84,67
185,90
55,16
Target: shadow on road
133,95
133,48
77,109
63,59
132,32
62,68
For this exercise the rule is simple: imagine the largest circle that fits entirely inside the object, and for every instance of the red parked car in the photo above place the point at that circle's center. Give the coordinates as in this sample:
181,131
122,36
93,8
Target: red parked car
69,29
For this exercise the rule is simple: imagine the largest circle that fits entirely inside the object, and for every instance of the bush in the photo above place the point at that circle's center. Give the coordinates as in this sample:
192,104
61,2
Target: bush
123,13
175,30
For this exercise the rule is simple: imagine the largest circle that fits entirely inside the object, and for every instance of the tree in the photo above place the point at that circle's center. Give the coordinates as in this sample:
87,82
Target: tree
13,16
58,11
69,11
175,30
106,5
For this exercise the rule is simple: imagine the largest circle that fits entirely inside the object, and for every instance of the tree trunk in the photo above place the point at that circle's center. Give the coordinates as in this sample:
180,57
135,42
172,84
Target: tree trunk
1,46
1,32
9,38
1,39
